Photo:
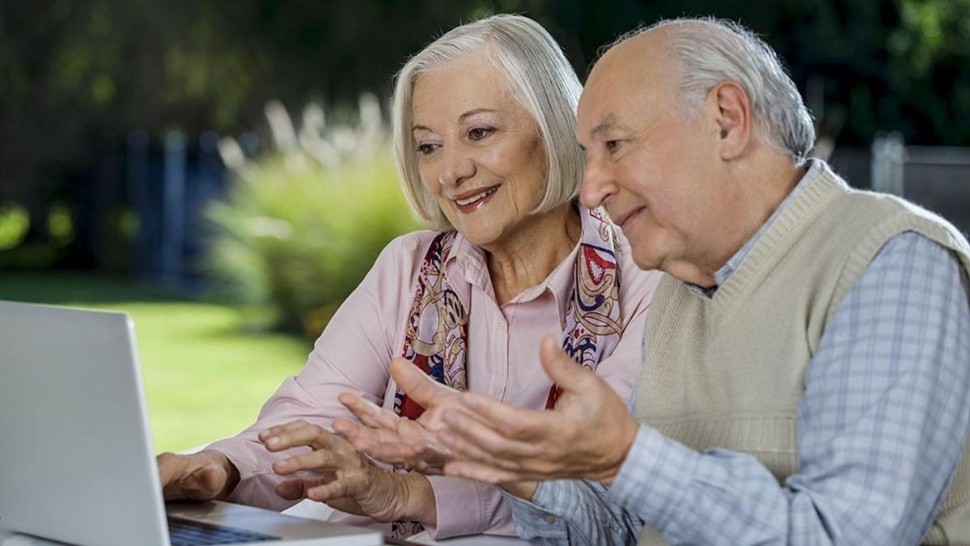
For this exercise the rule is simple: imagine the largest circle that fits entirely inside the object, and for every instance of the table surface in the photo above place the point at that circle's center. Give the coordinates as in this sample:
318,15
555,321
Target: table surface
12,539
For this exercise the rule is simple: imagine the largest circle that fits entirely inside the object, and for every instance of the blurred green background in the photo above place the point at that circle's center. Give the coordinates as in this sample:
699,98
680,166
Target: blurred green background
205,375
221,170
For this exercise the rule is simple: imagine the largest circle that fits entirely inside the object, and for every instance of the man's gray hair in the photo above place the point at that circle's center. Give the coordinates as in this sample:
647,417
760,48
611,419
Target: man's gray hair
538,77
711,51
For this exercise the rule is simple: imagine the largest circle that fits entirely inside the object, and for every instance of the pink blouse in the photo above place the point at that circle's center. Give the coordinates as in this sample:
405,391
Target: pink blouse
354,350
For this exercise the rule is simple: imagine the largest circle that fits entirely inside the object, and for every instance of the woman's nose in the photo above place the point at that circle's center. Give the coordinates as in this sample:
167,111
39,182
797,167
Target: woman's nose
456,166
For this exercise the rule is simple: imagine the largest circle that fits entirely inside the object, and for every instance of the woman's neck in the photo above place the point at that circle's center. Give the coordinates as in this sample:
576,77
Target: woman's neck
541,243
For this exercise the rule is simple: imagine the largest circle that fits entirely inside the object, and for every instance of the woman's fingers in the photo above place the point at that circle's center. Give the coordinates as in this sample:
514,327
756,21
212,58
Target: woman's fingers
297,433
190,476
345,487
296,488
319,459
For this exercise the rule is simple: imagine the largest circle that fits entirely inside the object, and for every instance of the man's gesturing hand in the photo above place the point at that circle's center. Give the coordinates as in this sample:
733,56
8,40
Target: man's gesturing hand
587,435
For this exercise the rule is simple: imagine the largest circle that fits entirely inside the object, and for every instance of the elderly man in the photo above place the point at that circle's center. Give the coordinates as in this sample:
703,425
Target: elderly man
806,359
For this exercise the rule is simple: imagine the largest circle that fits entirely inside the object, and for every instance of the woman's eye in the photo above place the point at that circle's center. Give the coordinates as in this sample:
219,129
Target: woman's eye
479,133
425,149
611,145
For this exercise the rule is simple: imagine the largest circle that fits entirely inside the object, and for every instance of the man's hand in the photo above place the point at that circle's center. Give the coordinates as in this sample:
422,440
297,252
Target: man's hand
205,475
586,436
404,443
345,479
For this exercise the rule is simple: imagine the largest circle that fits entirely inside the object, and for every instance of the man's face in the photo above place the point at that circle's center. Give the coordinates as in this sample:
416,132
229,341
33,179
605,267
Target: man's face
655,173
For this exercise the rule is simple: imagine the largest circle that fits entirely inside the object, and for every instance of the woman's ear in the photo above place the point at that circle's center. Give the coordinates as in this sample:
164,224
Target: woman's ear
733,118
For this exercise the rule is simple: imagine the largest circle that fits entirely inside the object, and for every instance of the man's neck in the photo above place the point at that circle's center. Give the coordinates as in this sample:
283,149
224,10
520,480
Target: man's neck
761,191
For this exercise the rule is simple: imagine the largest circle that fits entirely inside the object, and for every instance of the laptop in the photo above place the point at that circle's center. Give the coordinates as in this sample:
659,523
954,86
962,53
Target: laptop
76,456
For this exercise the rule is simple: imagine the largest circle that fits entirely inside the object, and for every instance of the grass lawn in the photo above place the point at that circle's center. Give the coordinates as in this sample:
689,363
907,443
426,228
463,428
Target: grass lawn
205,377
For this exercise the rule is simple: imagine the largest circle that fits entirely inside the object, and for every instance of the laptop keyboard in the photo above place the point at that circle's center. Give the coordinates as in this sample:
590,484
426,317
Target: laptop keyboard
184,532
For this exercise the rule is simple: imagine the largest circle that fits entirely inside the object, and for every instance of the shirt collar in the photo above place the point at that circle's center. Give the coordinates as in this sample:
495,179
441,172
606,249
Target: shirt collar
468,261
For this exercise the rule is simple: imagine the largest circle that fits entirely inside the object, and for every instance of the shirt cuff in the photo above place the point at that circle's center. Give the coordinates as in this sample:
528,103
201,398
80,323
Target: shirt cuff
257,484
465,507
654,477
239,455
533,521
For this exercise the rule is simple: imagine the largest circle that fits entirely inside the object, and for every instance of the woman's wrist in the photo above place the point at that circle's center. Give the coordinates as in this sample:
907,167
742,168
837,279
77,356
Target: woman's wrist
420,504
232,473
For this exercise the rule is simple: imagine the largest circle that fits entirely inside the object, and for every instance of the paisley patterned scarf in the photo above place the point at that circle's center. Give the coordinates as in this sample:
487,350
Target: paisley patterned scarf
437,328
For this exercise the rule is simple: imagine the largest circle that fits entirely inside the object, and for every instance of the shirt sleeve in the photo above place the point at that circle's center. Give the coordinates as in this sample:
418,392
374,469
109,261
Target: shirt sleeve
573,512
881,427
352,354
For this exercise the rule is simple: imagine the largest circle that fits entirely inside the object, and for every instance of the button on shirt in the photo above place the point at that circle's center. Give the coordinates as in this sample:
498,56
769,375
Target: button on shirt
353,354
873,466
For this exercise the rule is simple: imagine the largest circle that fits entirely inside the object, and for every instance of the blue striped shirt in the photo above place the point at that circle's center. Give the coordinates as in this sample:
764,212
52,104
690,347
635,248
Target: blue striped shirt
881,429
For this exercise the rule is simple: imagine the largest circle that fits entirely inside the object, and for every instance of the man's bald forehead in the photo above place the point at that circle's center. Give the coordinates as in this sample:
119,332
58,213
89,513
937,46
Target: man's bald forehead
637,60
635,54
658,31
632,43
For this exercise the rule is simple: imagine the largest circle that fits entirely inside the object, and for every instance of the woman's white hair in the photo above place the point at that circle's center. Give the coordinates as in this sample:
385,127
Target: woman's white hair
538,77
711,51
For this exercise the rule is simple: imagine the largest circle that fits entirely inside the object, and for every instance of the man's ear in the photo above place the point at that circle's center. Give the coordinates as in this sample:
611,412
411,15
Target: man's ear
733,118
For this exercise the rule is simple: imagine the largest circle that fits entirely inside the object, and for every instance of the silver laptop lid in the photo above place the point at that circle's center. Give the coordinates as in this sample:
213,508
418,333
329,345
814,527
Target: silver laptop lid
75,453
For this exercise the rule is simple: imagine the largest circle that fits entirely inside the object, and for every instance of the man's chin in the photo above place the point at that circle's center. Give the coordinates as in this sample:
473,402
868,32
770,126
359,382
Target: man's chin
646,263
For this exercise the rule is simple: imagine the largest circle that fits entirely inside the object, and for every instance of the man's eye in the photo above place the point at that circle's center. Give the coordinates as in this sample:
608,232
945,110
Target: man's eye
479,133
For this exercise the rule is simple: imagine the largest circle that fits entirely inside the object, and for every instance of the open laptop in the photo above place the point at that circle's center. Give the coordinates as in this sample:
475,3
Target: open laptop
76,457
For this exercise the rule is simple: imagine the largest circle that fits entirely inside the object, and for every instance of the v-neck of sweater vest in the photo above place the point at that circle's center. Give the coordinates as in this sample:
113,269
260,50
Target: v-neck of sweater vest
777,240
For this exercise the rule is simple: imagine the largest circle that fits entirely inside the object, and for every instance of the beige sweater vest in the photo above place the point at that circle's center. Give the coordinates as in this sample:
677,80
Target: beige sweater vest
729,371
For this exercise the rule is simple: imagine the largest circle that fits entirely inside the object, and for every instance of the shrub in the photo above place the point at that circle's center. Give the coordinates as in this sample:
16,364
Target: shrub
303,223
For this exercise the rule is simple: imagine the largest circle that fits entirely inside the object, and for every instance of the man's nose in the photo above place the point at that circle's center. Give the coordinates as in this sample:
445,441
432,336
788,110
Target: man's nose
598,184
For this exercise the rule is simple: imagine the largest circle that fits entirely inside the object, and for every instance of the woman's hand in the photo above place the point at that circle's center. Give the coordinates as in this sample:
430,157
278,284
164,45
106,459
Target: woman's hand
205,475
345,479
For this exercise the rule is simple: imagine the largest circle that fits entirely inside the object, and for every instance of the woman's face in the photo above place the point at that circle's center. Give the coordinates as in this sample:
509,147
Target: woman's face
479,152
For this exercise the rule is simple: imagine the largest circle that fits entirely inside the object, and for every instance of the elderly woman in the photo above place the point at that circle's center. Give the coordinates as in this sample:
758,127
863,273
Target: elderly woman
483,133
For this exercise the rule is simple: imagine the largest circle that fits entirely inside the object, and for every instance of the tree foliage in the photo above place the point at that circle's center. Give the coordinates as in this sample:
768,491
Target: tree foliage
77,75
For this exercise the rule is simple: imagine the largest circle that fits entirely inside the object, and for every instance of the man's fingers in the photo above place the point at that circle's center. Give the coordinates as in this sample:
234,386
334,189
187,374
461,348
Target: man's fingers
419,386
358,436
432,453
483,473
363,437
367,412
559,367
388,452
346,428
470,440
518,423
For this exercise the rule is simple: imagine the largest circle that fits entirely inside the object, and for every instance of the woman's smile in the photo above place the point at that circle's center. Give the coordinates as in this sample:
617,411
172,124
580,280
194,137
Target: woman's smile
471,201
